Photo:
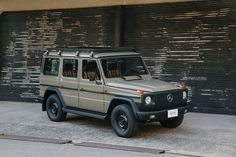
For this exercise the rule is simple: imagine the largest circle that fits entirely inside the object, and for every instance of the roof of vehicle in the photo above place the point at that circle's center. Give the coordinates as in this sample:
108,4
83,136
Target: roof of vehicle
95,52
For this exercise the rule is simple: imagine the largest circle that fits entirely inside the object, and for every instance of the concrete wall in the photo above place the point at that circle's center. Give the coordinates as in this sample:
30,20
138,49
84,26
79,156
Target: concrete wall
19,5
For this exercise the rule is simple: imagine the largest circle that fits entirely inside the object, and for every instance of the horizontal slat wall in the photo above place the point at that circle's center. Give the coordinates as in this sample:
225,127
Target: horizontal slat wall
193,43
25,34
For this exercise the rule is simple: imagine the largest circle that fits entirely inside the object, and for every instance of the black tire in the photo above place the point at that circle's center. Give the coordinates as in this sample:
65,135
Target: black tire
123,121
173,122
54,109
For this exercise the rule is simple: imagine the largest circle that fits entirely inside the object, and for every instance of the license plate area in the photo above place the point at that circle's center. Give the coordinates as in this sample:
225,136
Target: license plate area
172,113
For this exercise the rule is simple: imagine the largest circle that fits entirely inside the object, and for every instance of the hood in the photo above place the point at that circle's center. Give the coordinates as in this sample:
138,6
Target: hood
152,85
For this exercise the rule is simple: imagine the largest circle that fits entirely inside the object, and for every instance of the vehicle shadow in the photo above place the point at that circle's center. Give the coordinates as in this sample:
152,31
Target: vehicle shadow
145,129
151,129
93,122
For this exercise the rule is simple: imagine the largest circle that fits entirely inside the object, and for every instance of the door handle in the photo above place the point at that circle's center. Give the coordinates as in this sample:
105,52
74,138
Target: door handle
82,89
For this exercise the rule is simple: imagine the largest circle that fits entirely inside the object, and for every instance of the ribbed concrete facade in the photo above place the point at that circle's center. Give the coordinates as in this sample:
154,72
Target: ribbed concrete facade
191,42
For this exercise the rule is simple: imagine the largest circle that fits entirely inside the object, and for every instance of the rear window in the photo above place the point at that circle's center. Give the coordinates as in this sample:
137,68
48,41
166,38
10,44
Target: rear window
70,68
51,66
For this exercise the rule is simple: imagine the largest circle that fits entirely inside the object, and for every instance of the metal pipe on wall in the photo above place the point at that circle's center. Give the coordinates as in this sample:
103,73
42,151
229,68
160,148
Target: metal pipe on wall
118,26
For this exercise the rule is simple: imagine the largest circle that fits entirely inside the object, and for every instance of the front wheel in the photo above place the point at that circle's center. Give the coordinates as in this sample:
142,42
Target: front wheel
54,109
173,122
123,121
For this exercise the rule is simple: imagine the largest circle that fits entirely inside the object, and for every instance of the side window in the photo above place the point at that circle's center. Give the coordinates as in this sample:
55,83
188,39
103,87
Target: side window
70,68
90,69
51,66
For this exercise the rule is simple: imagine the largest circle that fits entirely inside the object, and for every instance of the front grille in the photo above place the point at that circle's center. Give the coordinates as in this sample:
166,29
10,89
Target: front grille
161,99
161,102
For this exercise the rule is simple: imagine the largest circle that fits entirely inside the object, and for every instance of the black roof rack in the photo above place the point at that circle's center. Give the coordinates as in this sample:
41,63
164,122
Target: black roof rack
93,49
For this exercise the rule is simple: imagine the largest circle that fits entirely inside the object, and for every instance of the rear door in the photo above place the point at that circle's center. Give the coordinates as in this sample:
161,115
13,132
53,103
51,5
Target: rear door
69,81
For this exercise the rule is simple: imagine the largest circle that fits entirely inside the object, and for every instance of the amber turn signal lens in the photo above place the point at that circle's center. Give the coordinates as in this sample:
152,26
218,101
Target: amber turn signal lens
181,85
139,91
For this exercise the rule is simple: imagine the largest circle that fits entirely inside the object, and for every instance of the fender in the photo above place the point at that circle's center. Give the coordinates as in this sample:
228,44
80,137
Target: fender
57,91
129,100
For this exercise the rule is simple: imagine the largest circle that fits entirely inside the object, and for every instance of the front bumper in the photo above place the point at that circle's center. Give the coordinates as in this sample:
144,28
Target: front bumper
160,115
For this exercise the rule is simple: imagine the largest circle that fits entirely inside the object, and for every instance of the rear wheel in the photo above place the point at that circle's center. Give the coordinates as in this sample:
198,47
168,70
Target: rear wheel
54,109
172,122
123,121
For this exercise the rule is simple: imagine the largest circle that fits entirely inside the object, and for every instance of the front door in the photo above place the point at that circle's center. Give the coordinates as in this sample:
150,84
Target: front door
91,95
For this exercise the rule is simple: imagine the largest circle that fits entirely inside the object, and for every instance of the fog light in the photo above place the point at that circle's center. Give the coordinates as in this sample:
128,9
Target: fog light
184,95
148,100
152,116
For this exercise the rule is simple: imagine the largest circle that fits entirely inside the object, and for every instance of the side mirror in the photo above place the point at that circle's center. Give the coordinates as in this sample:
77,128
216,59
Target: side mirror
98,82
93,78
151,70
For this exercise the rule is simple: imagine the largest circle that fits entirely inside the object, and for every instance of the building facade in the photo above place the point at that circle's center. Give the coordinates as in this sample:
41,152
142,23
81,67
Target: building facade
192,42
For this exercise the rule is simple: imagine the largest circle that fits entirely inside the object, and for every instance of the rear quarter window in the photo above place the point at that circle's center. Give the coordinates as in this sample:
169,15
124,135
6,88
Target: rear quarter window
51,66
70,68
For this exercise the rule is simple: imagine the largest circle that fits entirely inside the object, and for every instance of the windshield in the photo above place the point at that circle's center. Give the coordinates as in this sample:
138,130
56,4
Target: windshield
123,66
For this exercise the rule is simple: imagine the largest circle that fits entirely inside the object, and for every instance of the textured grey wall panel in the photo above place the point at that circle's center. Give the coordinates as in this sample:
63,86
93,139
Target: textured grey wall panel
193,43
25,34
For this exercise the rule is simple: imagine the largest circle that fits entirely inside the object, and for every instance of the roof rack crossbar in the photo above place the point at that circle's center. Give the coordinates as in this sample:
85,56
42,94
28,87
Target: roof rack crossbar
94,49
91,54
77,53
45,53
59,52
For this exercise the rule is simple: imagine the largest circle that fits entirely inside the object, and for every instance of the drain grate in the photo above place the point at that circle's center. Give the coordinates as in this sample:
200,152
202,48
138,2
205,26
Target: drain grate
119,147
34,139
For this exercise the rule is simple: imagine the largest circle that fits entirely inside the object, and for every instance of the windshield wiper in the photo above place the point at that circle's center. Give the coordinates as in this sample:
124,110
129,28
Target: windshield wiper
123,77
140,76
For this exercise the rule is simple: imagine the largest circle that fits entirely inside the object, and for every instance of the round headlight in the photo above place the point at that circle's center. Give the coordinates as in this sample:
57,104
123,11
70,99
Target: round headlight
184,95
148,100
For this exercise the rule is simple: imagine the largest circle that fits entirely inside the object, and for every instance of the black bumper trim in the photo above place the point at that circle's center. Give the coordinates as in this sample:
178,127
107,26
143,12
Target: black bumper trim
160,115
40,99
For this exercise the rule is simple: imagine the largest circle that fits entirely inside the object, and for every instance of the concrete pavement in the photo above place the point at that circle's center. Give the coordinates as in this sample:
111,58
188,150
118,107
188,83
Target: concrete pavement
200,134
10,148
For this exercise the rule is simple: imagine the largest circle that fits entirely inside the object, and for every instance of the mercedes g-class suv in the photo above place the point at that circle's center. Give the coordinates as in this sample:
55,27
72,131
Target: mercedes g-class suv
108,83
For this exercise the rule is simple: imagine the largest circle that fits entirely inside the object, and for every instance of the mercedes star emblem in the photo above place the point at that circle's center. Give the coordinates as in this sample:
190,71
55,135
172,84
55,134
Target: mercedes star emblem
170,97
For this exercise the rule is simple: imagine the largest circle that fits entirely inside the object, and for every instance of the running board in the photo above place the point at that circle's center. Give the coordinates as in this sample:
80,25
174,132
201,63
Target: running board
84,112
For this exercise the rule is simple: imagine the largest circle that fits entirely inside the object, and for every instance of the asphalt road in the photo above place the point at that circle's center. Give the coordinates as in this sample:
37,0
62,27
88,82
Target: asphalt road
200,134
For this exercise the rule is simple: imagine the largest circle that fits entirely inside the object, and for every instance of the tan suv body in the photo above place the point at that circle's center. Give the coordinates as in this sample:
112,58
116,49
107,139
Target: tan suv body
108,83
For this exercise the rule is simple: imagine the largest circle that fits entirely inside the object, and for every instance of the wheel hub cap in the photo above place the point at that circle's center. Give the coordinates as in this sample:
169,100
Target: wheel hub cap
122,121
54,108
